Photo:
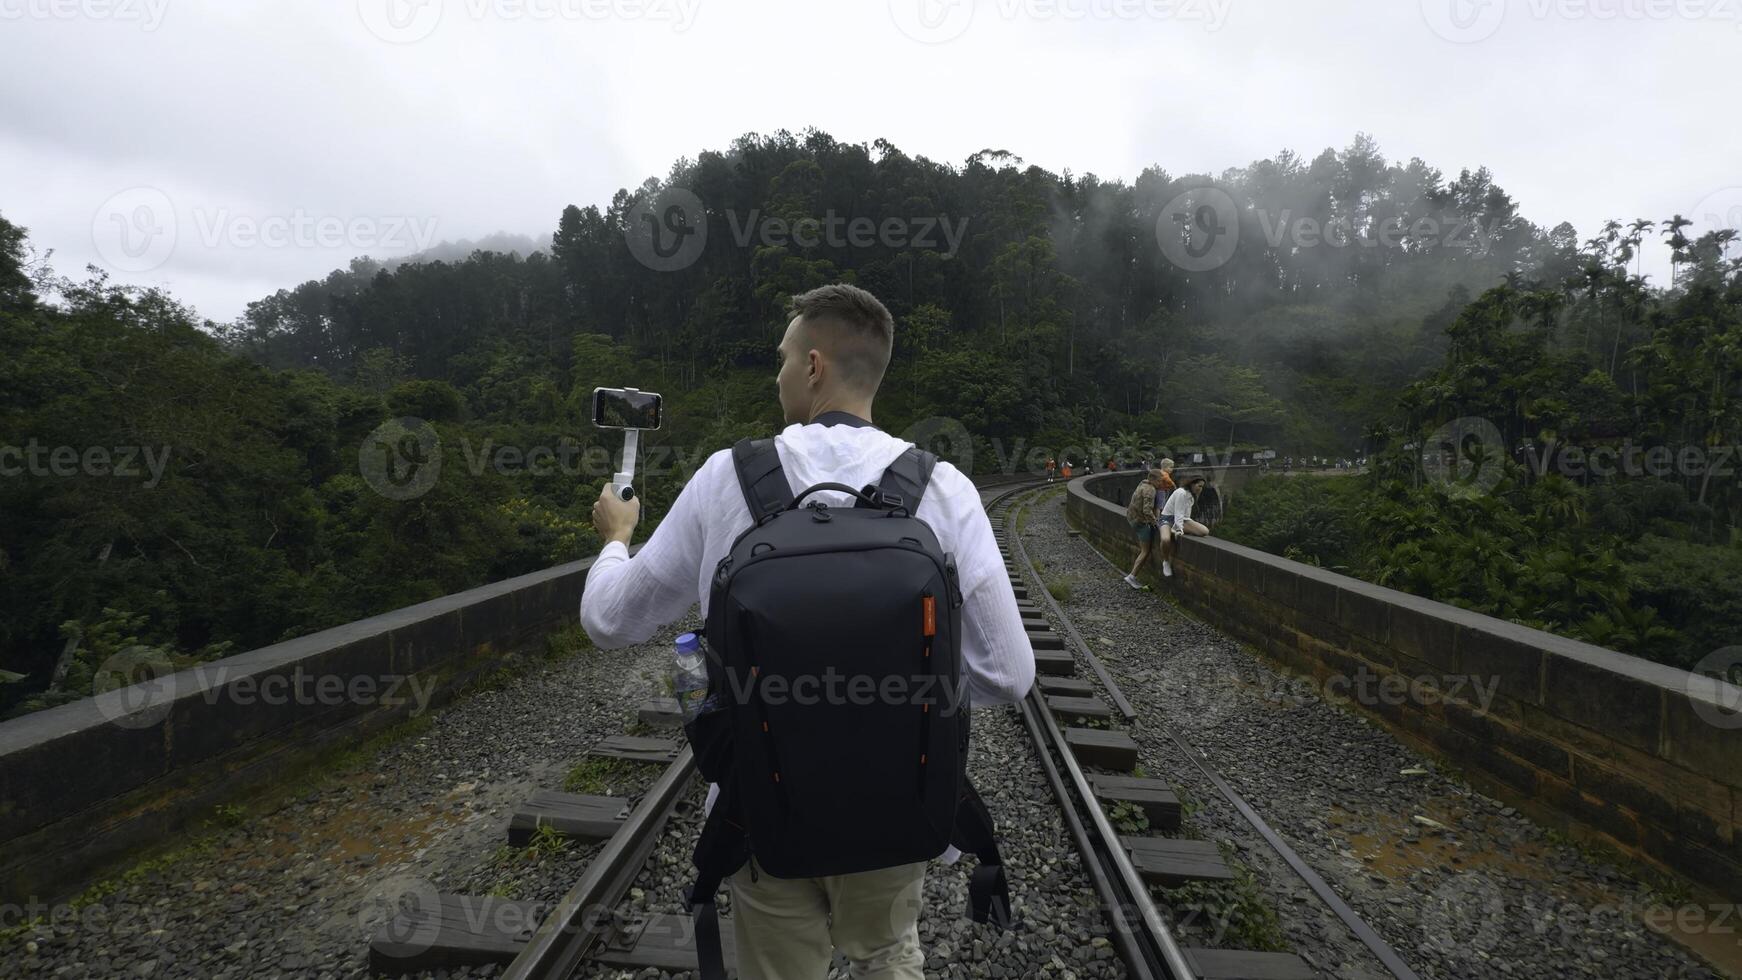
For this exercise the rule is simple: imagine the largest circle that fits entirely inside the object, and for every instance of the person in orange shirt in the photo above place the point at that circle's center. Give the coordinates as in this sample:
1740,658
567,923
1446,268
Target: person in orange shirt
1166,486
1067,470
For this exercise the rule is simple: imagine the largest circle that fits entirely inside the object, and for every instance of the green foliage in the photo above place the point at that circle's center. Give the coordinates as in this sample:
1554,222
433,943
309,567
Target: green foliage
1234,913
431,401
1695,589
1060,587
1055,319
1309,519
602,776
546,842
1128,818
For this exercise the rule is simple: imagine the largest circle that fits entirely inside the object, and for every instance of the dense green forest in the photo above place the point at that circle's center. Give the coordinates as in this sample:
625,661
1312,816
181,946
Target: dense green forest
256,509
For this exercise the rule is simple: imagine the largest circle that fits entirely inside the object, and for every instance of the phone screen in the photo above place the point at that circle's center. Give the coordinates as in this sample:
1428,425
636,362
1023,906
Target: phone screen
616,408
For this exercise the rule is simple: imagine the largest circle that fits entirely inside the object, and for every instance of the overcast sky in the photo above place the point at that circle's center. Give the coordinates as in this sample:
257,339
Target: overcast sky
224,149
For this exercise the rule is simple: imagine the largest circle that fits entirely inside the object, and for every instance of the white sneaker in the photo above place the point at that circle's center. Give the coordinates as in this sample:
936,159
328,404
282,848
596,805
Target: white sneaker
1131,580
1167,569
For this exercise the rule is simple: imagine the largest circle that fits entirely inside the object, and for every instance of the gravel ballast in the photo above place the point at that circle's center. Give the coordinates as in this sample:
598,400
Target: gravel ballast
298,890
294,889
1457,883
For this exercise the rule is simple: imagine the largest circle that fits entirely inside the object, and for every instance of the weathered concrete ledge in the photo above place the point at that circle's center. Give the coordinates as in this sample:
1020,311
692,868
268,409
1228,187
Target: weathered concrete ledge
84,784
1600,744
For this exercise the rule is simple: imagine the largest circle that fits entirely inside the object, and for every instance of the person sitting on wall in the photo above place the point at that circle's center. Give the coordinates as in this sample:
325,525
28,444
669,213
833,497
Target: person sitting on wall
1142,515
1176,519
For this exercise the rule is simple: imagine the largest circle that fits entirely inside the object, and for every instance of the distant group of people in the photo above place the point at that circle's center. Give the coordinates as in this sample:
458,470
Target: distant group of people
1166,523
1055,471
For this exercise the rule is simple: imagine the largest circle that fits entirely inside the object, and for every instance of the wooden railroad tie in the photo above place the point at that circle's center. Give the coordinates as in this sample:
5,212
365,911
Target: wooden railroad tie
1154,797
574,815
1105,749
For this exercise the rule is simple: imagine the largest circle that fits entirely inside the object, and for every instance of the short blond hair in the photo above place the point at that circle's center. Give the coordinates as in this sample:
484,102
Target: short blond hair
1166,465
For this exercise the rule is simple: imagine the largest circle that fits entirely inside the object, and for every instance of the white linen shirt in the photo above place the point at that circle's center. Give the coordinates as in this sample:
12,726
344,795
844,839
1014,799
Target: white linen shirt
627,599
1177,509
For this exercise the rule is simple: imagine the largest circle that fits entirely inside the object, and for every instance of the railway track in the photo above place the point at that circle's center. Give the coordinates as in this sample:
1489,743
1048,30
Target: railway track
1087,760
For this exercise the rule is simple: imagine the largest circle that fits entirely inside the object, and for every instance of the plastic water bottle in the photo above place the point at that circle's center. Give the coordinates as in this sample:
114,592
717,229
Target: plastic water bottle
689,680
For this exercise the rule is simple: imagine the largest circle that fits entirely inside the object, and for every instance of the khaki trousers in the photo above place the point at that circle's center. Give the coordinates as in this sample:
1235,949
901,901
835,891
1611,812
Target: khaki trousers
788,928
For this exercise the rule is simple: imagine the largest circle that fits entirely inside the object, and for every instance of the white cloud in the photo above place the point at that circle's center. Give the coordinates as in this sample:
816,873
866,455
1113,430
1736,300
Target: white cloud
507,110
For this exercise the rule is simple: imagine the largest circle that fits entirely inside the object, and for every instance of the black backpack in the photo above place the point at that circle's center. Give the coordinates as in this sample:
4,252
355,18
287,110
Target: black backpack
840,739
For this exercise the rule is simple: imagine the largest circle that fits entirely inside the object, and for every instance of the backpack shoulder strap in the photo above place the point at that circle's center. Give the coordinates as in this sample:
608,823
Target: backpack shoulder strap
761,477
721,850
903,483
988,889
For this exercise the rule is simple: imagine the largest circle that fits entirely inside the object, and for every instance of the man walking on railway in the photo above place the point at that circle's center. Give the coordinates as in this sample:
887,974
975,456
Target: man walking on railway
832,359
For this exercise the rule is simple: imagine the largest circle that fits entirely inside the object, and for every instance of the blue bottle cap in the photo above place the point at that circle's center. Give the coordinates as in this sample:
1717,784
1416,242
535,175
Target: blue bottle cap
688,642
